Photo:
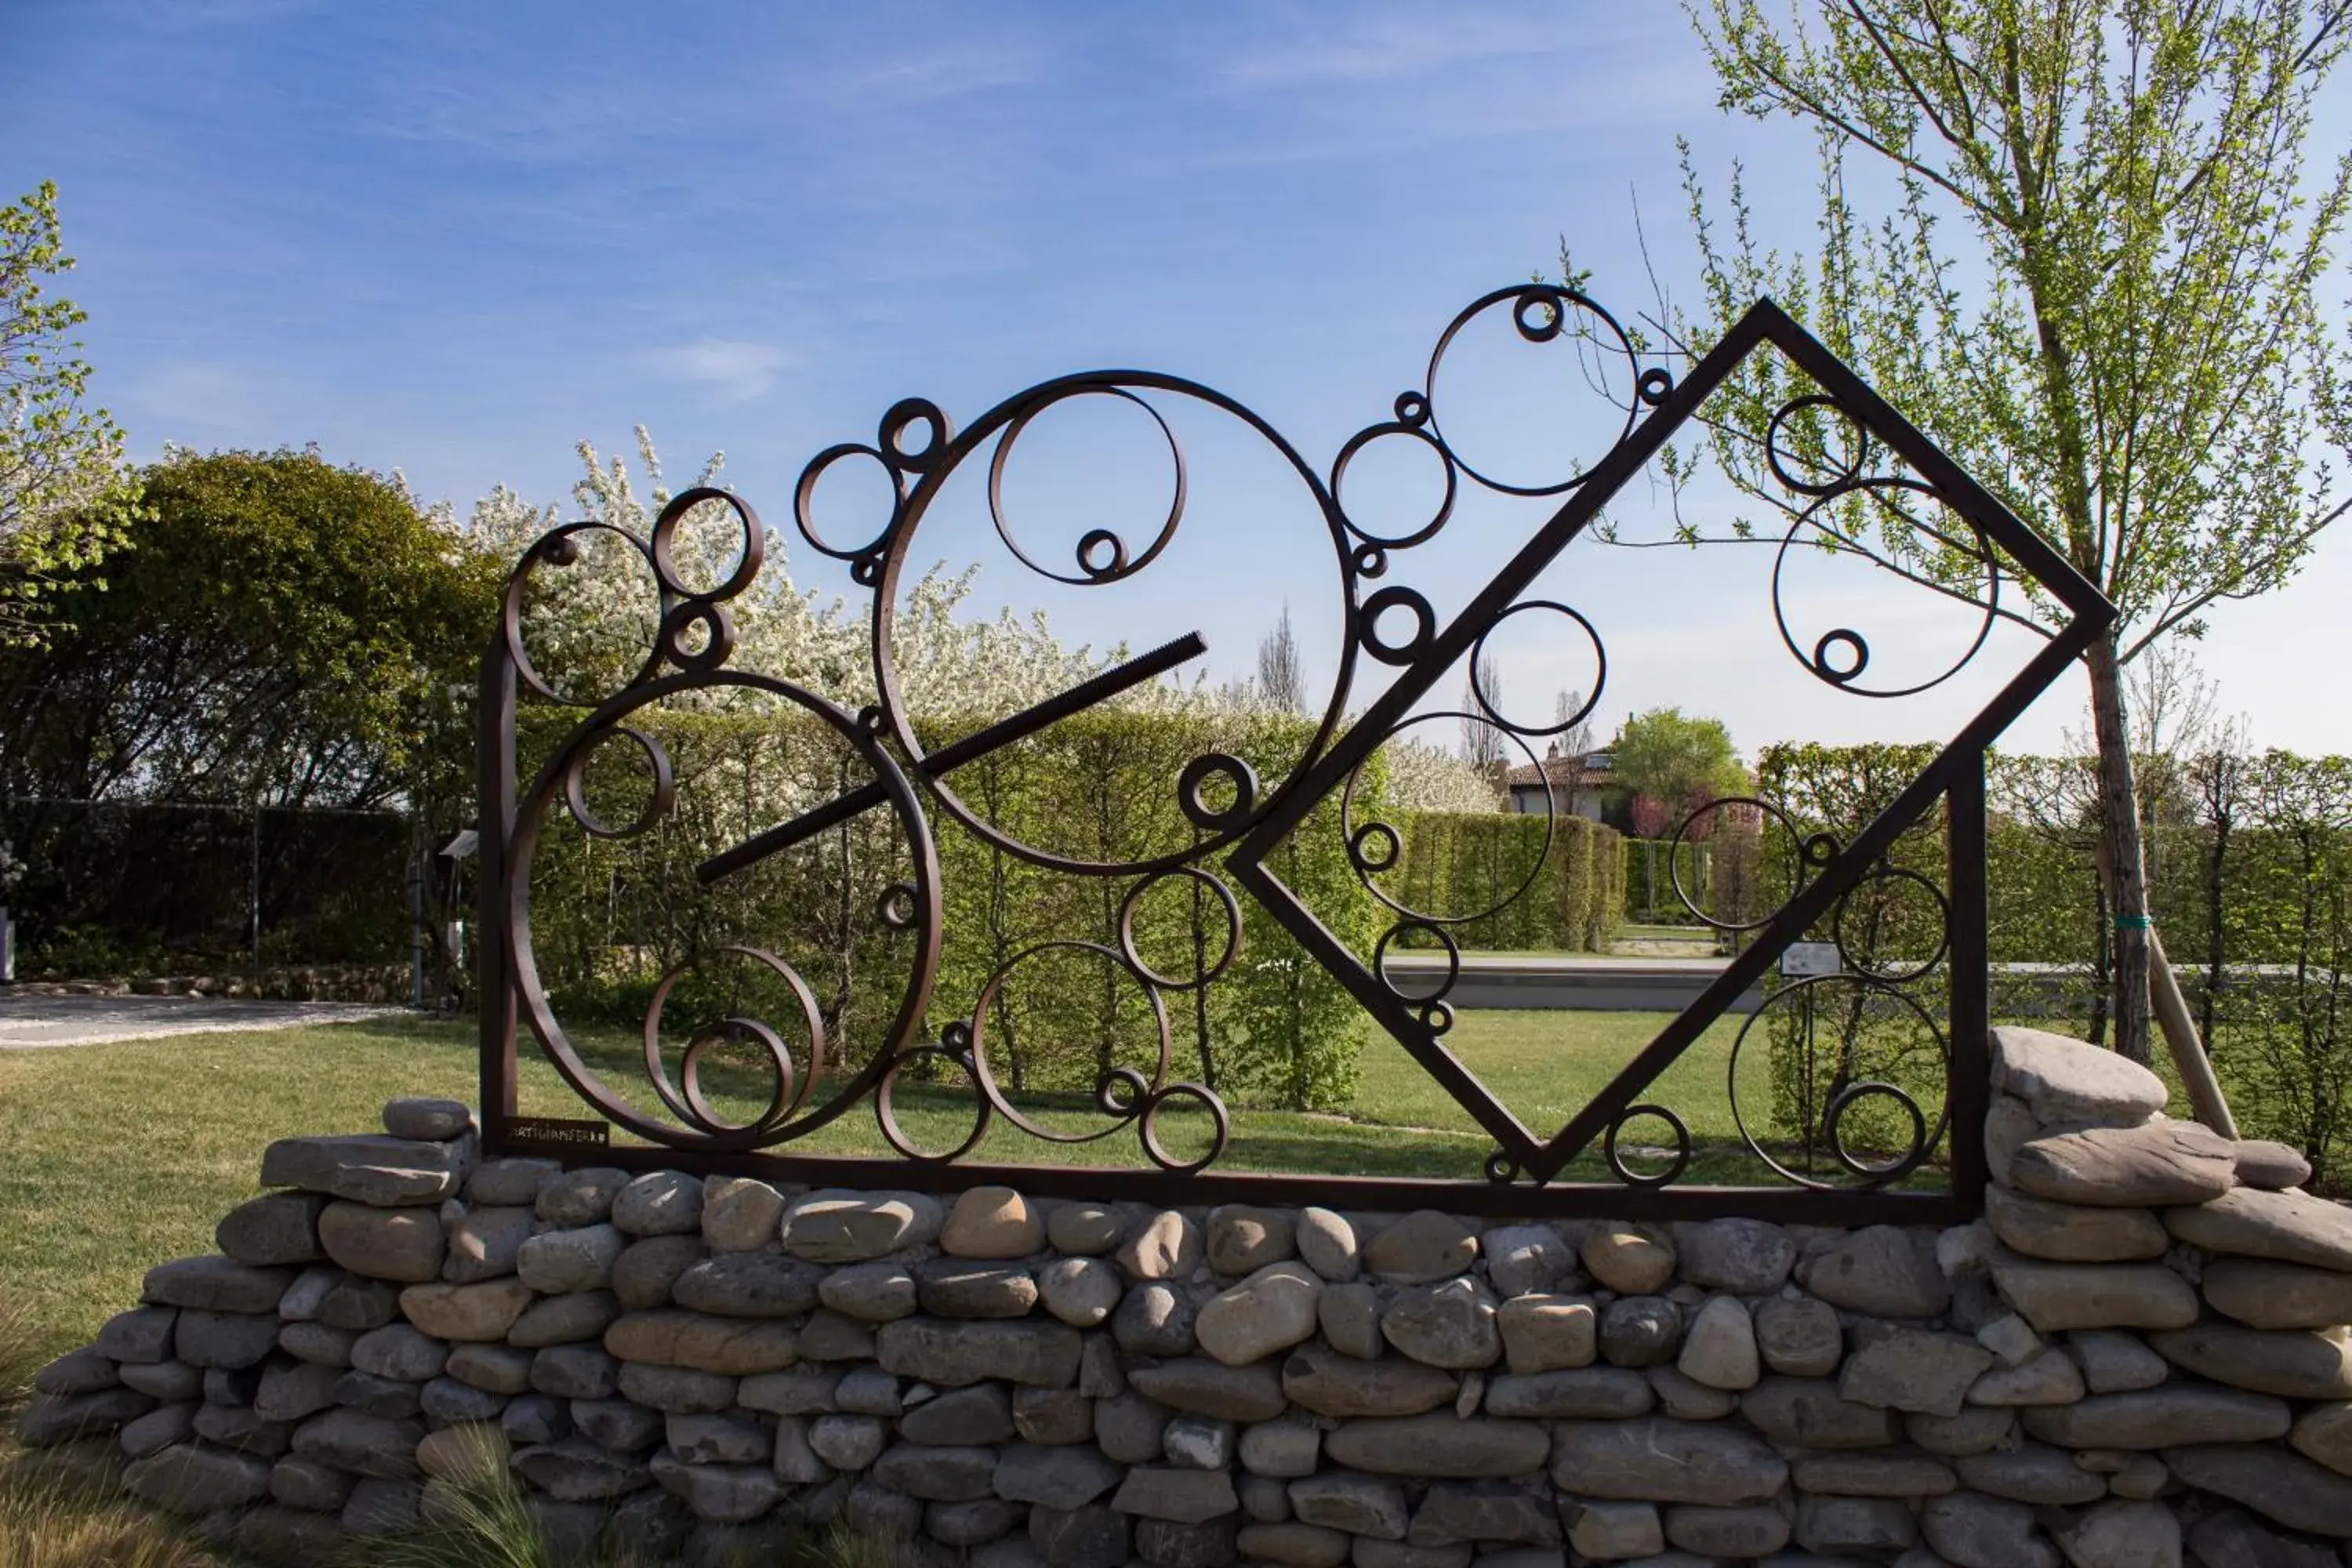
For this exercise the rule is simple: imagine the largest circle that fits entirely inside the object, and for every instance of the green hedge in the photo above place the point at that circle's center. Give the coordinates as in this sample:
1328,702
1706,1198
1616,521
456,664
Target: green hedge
1457,862
2250,865
612,915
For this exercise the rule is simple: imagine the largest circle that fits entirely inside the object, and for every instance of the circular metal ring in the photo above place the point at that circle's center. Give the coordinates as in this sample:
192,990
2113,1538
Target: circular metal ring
804,504
1365,438
1092,572
1795,993
1364,861
575,790
1857,459
1681,1146
1445,941
1916,1147
1199,877
902,416
1900,974
1424,626
885,1109
1478,658
1198,772
1147,1128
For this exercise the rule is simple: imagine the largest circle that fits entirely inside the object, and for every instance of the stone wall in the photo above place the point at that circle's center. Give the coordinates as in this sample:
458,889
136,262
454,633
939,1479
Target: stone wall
2137,1359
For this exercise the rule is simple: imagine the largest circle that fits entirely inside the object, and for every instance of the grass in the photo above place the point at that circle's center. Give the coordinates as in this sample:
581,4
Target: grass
123,1155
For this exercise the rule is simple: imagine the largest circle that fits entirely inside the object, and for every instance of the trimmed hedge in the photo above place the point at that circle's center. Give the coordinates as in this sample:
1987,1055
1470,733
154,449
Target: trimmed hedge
613,915
2250,867
1457,862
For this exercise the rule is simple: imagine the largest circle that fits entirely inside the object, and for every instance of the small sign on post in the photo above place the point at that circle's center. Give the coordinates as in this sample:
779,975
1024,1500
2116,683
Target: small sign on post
1809,959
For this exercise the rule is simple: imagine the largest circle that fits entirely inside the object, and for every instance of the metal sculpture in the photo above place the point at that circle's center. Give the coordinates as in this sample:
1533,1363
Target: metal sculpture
1822,446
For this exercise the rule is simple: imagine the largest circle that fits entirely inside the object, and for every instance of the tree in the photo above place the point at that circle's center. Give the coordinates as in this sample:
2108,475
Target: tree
1482,738
2093,279
272,636
1280,685
64,493
1571,745
1675,763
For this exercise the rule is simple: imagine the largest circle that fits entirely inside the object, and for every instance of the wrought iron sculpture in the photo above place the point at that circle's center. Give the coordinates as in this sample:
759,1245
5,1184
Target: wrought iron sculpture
1243,820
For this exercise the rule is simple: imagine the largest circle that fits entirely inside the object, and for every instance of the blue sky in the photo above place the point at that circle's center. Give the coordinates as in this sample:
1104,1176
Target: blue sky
455,239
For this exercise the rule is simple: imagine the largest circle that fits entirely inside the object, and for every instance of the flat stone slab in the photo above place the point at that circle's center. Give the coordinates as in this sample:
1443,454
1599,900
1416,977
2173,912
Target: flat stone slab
1663,1460
2070,1232
2055,1297
2273,1483
2264,1294
2293,1362
2291,1227
2160,1417
2068,1081
368,1168
2149,1166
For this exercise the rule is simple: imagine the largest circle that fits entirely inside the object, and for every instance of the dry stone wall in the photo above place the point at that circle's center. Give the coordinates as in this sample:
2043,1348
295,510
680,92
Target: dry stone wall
2137,1359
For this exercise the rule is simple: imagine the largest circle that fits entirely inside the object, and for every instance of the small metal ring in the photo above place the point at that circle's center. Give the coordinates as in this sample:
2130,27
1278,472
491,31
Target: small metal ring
1681,1146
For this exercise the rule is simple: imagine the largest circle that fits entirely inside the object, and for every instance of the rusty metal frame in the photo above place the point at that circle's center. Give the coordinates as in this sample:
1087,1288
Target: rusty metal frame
917,446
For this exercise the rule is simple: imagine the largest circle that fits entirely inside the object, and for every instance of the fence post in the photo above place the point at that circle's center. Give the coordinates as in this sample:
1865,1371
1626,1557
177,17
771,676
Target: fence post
494,812
1968,1092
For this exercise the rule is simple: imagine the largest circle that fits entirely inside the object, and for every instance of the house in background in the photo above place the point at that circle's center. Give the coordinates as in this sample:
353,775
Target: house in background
1584,786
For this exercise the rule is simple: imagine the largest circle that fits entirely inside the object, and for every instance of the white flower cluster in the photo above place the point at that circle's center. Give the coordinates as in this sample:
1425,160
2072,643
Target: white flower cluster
588,626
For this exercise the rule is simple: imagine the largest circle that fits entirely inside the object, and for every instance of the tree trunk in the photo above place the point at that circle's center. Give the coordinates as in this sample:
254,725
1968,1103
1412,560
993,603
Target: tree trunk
2120,840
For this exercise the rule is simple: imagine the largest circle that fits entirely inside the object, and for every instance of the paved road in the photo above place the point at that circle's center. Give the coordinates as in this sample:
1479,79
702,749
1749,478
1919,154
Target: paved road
41,1023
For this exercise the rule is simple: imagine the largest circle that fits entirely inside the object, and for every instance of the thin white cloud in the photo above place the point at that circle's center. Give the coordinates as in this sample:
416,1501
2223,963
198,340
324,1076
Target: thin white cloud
734,370
183,397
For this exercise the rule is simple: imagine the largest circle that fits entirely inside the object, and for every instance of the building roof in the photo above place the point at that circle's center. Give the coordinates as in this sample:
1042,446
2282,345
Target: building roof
1590,771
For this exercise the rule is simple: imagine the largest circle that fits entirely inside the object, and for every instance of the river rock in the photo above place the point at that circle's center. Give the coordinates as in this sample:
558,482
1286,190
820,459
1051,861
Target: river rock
1659,1460
957,1287
1438,1444
1188,1497
1833,1526
648,1270
1422,1248
2032,1473
2236,1538
837,1226
1639,1331
1546,1333
1271,1311
1912,1369
2066,1082
576,1470
584,1197
1063,1478
1524,1259
1350,1316
1684,1400
565,1320
363,1445
2290,1227
2267,1295
2270,1167
472,1312
1882,1472
1719,1350
992,1223
2069,1233
1155,1318
1799,1337
2161,1417
1164,1245
228,1341
1245,1237
2294,1363
659,1203
1716,1534
1631,1260
1583,1393
1281,1449
1247,1393
557,1261
575,1371
2117,1362
484,1242
2054,1296
2123,1535
2050,1378
2324,1432
1327,1244
1453,1514
370,1168
1808,1413
741,1213
1081,1291
1085,1229
1358,1504
196,1479
1970,1529
2148,1167
2275,1483
212,1284
1039,1354
275,1228
1329,1384
1613,1531
1450,1324
675,1390
1742,1256
1883,1271
1977,1429
731,1347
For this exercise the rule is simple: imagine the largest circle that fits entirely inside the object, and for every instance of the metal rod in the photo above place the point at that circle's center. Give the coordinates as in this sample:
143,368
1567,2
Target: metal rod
2180,1036
1096,688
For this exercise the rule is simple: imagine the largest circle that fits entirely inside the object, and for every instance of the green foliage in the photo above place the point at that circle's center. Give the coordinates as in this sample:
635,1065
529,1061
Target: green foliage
1679,760
275,631
63,496
613,915
2251,886
1826,1037
1457,863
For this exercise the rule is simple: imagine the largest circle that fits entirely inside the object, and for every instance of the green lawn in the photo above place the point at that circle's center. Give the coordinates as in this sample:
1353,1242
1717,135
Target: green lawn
119,1156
